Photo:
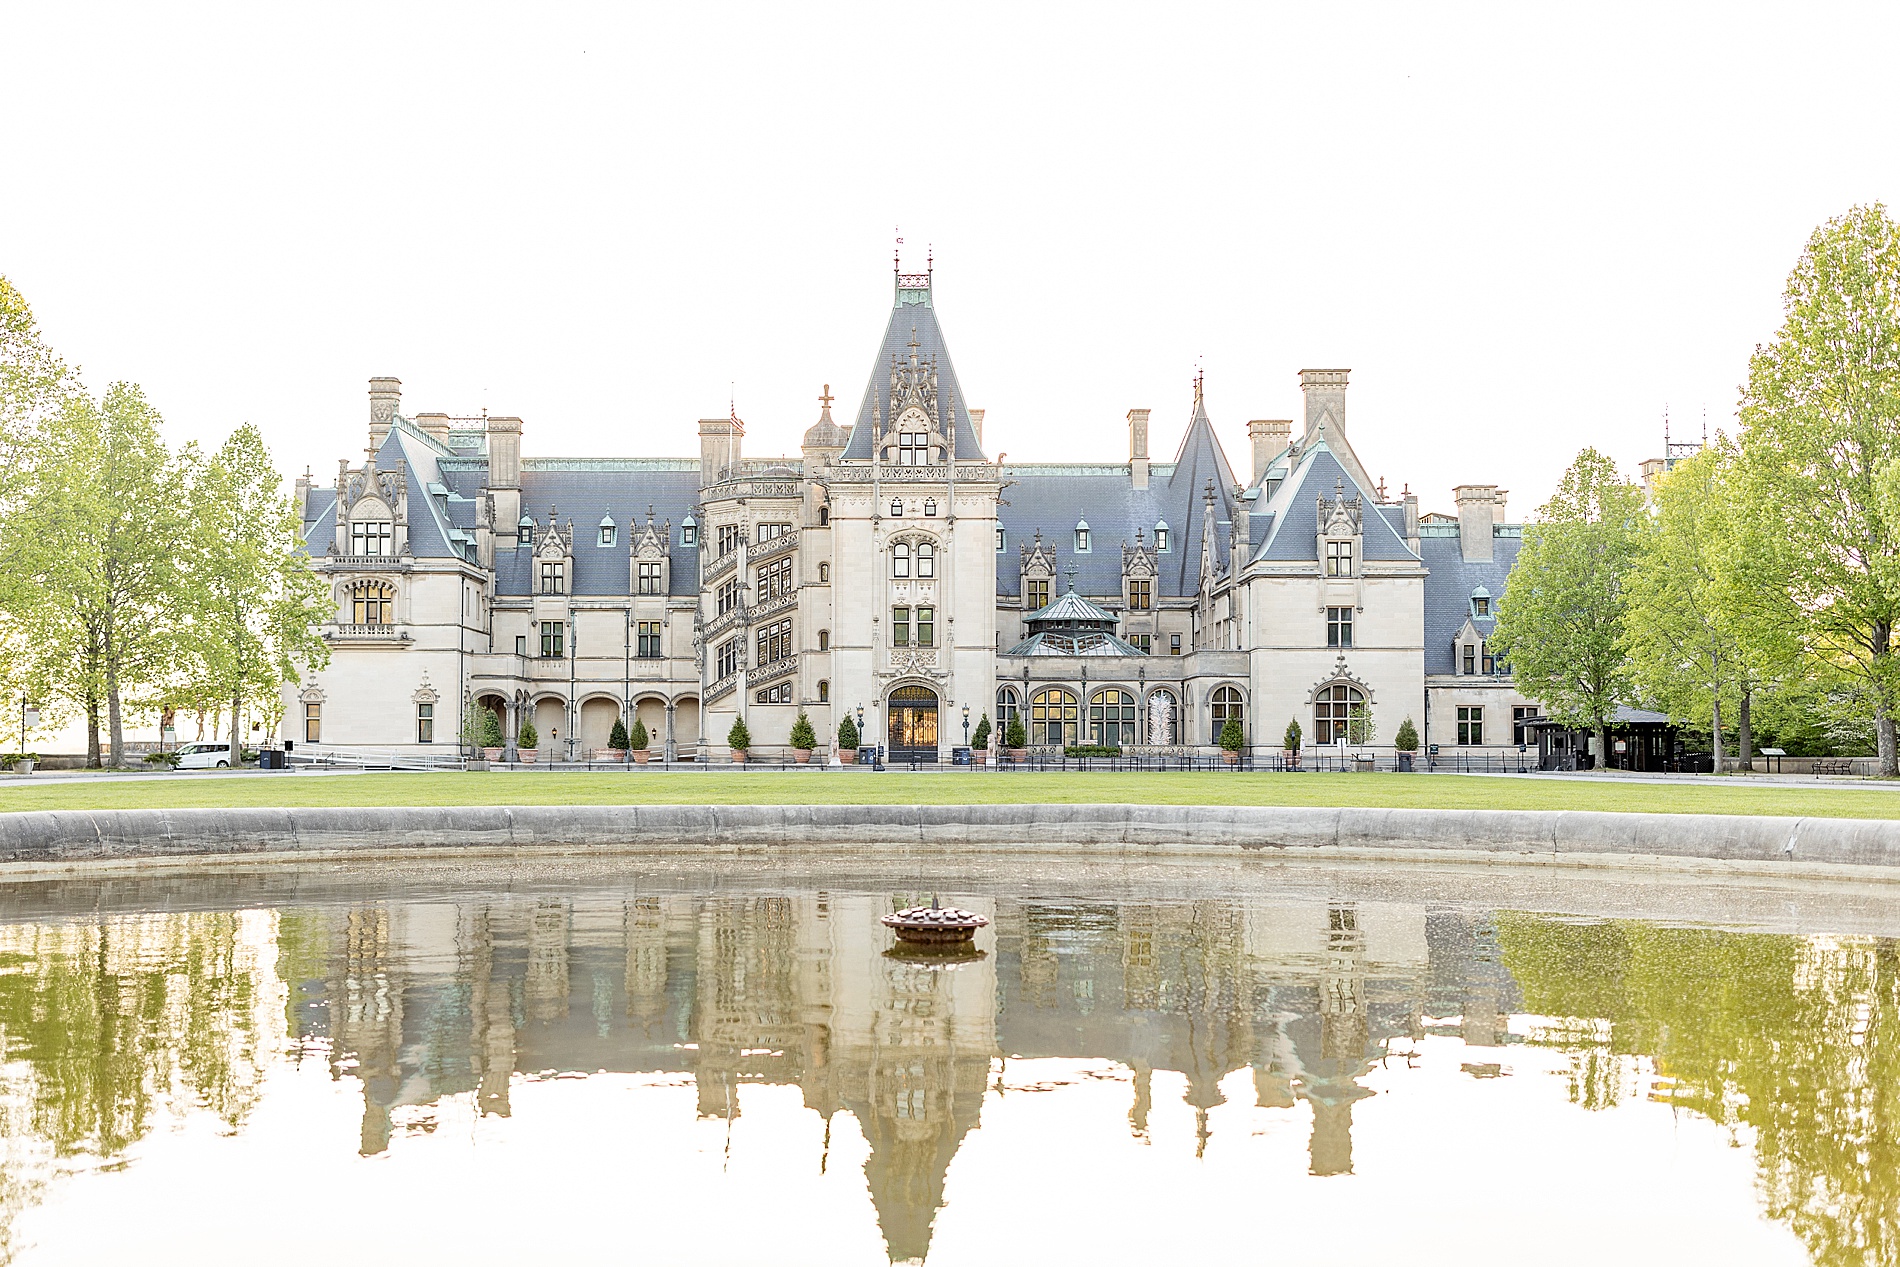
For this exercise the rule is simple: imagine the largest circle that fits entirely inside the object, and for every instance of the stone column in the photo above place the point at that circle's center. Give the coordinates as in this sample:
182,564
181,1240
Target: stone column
667,751
510,752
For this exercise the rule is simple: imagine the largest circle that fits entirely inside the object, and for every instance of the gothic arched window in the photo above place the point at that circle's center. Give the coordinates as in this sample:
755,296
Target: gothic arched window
1333,712
926,560
900,559
373,603
1223,704
824,690
1054,718
897,509
1007,707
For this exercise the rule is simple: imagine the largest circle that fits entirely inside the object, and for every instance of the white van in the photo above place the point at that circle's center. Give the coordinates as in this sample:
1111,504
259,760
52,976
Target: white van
204,756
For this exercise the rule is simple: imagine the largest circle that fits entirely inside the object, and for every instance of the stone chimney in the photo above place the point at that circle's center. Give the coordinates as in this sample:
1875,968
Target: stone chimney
435,426
385,401
1325,399
1477,511
976,425
504,476
1410,500
1138,447
718,447
1270,437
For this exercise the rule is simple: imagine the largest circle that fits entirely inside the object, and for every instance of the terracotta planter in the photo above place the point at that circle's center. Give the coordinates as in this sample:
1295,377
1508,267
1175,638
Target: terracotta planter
528,755
848,756
492,755
738,755
1017,754
1231,758
802,755
616,754
640,756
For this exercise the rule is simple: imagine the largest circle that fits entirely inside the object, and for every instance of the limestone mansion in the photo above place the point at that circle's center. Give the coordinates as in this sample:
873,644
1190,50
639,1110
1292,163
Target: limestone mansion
896,572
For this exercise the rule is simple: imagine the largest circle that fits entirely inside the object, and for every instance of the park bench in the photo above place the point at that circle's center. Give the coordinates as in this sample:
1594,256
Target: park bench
1837,766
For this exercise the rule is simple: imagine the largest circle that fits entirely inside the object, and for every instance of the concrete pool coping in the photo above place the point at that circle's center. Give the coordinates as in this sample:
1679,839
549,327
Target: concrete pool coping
51,841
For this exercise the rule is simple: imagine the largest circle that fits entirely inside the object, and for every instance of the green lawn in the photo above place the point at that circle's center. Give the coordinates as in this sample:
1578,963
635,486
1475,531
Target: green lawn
865,788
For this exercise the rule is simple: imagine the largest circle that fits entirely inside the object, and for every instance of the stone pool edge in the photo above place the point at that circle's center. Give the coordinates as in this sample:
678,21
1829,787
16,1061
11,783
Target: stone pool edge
33,841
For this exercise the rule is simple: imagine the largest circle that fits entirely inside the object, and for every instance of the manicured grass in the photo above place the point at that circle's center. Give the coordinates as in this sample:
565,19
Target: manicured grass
864,788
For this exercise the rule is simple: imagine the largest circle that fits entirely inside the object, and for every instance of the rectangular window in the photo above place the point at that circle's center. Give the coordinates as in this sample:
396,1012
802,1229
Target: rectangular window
900,626
553,578
370,537
647,644
926,626
1339,558
728,661
521,644
1520,714
728,597
775,643
926,561
1470,725
425,723
1145,642
1339,626
606,534
775,580
770,532
313,723
1035,593
1141,594
1002,540
1489,661
1471,659
553,640
730,535
779,694
650,579
1174,644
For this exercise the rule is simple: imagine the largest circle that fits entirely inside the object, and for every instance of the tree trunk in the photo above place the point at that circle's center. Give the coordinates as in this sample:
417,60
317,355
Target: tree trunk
1715,729
237,750
1883,715
92,732
115,720
1603,745
1745,737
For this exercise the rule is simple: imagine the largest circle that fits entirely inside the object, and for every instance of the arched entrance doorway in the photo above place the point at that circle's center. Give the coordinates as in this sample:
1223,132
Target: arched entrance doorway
913,724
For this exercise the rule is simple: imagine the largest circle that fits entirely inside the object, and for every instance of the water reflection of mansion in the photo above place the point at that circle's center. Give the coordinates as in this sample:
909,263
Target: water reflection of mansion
426,1000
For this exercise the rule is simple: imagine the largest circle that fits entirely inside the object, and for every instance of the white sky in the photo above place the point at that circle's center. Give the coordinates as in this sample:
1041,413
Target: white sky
1523,228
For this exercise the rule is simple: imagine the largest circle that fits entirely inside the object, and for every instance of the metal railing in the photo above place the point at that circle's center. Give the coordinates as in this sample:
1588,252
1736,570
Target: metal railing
350,757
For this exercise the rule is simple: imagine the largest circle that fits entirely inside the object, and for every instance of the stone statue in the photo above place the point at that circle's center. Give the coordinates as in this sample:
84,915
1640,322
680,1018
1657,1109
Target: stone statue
1160,719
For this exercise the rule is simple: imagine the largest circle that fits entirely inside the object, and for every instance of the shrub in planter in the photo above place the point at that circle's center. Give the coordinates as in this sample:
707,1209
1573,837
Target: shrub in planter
1407,738
618,740
489,735
803,738
1231,740
1015,738
1291,740
168,760
528,740
980,741
739,739
639,741
848,741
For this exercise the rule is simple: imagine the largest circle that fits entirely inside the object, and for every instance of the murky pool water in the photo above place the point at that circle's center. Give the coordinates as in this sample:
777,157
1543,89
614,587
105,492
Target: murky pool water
1143,1065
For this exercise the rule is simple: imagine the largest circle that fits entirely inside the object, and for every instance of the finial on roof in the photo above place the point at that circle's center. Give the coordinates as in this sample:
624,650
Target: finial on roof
649,514
1072,569
1382,488
913,338
1339,487
827,398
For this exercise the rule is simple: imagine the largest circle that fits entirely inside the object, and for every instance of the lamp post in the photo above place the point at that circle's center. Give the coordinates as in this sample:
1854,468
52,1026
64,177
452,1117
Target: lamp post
29,716
966,725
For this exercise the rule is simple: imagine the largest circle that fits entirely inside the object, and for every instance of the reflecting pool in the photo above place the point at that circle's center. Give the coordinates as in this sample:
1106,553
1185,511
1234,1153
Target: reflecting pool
1151,1064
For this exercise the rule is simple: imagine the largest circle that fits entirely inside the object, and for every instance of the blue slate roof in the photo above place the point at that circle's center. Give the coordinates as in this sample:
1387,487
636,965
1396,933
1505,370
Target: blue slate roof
913,312
1294,535
1448,590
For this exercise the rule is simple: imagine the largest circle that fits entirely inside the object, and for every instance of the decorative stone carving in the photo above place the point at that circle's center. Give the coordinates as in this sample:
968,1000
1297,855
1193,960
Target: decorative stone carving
1160,719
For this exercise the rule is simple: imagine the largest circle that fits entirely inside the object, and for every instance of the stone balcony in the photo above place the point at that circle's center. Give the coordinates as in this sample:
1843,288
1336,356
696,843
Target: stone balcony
371,635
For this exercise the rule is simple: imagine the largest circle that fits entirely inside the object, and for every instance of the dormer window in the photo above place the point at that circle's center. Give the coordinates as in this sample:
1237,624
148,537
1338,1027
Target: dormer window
1002,540
913,448
524,531
930,507
1339,558
689,531
554,577
1481,601
897,509
606,532
1161,536
371,536
1081,536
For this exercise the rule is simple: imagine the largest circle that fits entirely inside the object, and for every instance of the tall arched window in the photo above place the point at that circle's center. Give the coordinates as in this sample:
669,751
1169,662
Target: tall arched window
824,691
1112,718
1007,707
1223,704
926,560
1054,718
374,603
824,516
824,573
1333,712
900,559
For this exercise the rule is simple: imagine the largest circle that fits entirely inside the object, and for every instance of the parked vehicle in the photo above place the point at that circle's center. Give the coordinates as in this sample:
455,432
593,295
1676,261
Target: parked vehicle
204,756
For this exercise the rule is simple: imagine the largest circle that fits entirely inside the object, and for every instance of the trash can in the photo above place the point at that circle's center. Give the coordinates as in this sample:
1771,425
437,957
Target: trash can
959,756
271,759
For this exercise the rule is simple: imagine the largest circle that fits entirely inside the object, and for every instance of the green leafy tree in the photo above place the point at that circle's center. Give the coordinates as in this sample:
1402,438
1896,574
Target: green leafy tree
739,739
1359,724
527,736
1014,737
1561,620
256,604
491,736
1291,739
618,739
1407,738
802,735
981,739
639,739
847,733
1231,737
1820,424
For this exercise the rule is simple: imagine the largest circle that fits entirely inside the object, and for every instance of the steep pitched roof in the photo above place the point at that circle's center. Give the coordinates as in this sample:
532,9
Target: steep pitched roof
1449,587
913,317
1294,532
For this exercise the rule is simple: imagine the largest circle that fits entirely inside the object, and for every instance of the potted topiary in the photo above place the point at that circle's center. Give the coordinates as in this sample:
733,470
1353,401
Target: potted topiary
490,736
617,741
739,740
803,740
1231,740
848,741
980,741
1291,742
638,742
1015,741
528,741
1406,741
